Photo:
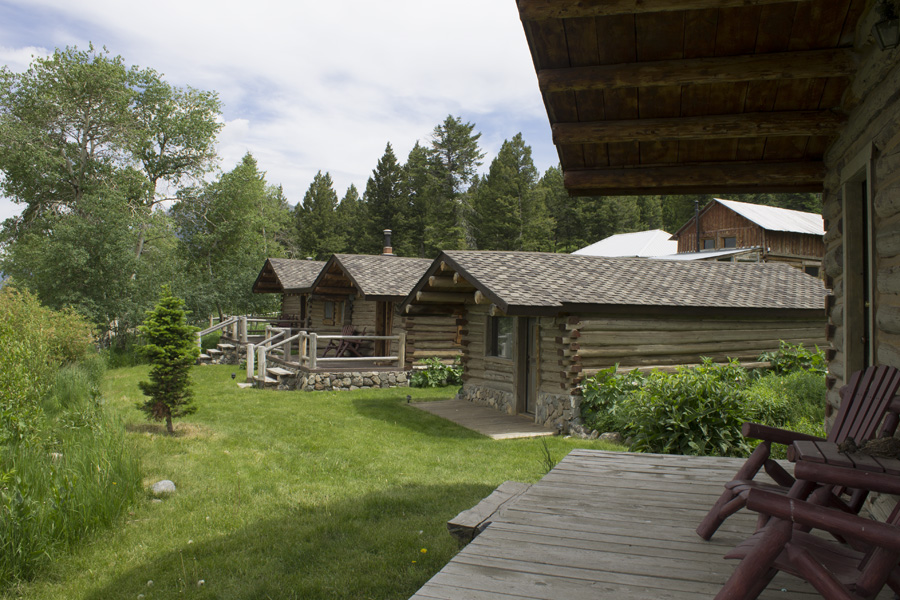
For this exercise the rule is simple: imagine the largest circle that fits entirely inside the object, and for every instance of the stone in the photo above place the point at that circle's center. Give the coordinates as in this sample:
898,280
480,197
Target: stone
612,436
163,488
594,435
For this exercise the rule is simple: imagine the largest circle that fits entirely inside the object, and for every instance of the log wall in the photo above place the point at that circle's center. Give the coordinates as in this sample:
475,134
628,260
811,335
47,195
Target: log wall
433,333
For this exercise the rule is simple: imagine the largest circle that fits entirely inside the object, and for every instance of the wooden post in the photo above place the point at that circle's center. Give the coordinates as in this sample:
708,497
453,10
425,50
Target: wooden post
301,348
287,346
211,320
262,364
243,329
401,351
251,356
313,343
234,330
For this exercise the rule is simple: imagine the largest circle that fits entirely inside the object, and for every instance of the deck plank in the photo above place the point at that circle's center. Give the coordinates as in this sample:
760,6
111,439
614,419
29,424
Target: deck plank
607,525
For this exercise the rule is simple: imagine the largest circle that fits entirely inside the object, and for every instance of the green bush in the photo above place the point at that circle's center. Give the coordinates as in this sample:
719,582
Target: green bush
436,374
789,359
210,340
700,410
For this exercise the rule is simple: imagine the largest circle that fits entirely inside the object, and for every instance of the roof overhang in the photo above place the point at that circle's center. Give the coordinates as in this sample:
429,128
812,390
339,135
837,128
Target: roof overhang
693,96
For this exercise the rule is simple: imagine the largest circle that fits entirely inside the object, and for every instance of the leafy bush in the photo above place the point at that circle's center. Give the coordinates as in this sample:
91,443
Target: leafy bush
436,374
789,359
700,410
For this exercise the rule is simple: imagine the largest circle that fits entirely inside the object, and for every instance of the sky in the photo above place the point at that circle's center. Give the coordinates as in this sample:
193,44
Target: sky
309,86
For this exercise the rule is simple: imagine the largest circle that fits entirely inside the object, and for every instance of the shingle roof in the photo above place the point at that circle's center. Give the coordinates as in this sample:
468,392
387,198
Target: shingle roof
535,279
655,242
380,275
296,275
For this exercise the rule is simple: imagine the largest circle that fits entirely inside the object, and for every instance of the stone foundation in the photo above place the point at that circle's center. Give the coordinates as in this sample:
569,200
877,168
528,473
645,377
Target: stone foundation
485,396
553,410
356,380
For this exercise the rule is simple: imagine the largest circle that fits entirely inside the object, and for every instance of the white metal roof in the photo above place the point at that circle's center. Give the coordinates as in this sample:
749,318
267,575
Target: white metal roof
655,242
707,254
778,219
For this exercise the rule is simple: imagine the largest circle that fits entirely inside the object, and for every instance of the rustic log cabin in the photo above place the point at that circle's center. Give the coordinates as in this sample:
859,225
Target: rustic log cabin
533,324
362,292
293,279
730,96
732,230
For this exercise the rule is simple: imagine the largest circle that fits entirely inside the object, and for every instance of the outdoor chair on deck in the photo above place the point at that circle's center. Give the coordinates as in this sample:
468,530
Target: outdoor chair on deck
864,402
837,571
342,347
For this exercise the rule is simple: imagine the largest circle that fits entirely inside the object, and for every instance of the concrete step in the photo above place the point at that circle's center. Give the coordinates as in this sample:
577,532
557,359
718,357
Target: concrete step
265,381
214,352
278,371
224,347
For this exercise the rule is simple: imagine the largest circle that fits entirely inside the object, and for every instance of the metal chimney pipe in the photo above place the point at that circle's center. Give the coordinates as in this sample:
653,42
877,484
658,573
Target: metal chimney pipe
388,251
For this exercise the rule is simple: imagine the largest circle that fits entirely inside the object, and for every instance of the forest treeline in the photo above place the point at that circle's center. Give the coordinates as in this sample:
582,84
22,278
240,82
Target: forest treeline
117,172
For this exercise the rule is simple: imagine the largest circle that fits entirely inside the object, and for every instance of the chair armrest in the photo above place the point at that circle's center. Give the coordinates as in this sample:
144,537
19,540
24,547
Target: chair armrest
831,520
775,435
847,477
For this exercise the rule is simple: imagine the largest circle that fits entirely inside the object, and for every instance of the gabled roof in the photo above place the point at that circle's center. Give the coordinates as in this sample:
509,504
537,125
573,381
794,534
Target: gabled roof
373,277
709,254
770,218
699,96
546,283
280,275
654,242
777,219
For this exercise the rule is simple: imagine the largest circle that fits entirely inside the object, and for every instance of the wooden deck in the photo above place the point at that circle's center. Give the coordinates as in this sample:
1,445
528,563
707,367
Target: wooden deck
607,525
485,420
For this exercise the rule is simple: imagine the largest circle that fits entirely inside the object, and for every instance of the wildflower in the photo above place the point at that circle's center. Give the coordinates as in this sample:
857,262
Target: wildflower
424,550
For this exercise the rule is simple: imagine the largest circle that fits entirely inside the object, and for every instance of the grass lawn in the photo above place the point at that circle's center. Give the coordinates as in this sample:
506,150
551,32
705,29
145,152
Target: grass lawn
291,495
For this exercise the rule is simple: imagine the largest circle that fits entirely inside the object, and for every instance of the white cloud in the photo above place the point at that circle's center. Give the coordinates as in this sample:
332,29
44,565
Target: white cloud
311,86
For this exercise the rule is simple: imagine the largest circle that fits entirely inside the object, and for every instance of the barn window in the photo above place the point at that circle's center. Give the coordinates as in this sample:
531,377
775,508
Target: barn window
709,244
729,242
500,337
332,308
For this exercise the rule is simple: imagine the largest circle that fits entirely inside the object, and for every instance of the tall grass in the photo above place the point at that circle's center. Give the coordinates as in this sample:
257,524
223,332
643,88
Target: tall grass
65,468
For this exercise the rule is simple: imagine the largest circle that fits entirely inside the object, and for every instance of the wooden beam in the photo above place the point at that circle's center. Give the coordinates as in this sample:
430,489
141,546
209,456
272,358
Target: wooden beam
341,291
481,298
534,10
442,297
444,283
457,278
748,125
702,178
811,64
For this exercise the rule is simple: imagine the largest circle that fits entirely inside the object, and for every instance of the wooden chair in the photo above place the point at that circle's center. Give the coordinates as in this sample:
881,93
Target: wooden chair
337,345
864,402
835,570
350,346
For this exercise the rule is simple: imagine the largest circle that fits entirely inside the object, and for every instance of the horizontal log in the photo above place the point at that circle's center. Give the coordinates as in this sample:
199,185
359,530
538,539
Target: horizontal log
443,297
457,278
620,324
496,311
536,10
701,178
424,329
431,309
480,298
809,64
427,320
445,282
677,338
687,349
747,125
419,344
436,353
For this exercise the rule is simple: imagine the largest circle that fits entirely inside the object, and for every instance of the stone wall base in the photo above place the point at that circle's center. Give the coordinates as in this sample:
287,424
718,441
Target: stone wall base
561,411
485,396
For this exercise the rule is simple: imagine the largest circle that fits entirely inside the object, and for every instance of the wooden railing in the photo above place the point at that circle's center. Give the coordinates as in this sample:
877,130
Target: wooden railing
238,328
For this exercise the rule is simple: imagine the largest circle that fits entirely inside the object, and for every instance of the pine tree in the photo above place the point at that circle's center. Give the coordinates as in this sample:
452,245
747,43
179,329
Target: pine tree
568,232
383,199
352,222
172,352
417,194
318,234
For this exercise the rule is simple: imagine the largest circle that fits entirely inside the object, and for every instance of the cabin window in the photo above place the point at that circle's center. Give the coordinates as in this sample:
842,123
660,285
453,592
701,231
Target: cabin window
729,242
500,337
814,271
709,244
332,309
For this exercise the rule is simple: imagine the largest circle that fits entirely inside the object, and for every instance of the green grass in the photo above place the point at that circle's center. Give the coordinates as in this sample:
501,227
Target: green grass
291,495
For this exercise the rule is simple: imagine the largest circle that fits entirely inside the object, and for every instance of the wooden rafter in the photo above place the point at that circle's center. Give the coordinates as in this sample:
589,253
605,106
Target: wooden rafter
811,64
704,178
788,123
534,10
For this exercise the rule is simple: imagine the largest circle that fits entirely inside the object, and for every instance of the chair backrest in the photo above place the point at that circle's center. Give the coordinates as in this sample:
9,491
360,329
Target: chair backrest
347,330
864,402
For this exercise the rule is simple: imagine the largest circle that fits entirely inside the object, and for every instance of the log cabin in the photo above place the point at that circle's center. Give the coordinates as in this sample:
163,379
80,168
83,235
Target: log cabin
363,291
732,230
533,325
292,279
734,96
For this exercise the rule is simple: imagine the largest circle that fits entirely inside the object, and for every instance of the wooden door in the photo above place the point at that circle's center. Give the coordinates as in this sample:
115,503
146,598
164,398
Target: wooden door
384,324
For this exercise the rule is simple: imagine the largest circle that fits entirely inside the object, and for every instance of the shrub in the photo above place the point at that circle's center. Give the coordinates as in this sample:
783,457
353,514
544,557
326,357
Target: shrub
789,359
436,374
607,400
788,400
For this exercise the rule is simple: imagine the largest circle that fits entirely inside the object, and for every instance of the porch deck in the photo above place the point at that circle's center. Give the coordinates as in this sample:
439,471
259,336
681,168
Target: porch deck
484,420
607,525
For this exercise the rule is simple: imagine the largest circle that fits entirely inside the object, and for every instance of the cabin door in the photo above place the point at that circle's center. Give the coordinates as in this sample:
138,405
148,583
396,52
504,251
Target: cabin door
529,364
384,323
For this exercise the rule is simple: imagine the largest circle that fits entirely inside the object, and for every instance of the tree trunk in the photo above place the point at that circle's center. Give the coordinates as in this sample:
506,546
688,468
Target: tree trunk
169,426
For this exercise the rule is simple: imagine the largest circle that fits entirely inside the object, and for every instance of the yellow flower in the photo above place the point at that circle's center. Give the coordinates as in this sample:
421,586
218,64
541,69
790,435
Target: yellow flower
424,550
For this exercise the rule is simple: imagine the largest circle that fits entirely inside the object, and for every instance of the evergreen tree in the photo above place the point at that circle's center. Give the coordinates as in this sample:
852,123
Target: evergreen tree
417,195
352,222
383,199
651,215
318,232
455,157
170,346
569,228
